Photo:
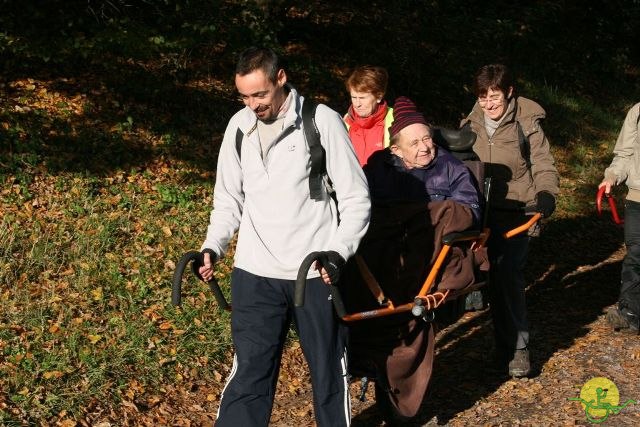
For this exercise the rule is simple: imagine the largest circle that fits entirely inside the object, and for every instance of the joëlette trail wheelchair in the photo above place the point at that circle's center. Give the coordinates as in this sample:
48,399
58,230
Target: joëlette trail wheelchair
419,268
396,293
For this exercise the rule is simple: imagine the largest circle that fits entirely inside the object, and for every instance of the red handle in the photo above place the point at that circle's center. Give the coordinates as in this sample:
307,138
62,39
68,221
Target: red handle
599,195
612,205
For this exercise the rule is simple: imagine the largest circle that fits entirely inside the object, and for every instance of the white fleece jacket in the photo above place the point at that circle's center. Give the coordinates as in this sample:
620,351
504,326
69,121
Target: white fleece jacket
267,200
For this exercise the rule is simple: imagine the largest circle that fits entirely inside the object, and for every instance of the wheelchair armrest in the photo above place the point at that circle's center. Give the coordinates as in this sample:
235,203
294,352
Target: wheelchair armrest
461,236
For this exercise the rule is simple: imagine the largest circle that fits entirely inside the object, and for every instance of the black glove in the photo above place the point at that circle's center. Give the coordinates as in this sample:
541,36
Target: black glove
333,263
545,203
199,262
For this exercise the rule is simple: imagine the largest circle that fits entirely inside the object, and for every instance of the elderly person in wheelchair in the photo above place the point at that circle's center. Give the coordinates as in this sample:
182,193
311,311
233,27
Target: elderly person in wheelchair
413,168
420,193
415,171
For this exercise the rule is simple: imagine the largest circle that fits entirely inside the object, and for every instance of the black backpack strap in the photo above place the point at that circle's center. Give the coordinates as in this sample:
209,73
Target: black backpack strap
525,147
239,136
316,150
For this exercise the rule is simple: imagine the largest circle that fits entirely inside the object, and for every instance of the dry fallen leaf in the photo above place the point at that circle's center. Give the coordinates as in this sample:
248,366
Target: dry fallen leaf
97,294
94,338
165,325
52,374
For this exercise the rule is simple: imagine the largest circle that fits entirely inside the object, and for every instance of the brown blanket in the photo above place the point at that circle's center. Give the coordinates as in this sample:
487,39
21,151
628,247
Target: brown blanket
399,248
450,217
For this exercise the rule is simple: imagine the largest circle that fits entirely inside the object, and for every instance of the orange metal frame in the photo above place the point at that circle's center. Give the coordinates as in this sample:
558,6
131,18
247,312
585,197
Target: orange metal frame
428,300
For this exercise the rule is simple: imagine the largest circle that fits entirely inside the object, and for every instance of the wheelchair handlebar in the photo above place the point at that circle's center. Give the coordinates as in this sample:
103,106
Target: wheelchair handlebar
176,288
524,227
301,283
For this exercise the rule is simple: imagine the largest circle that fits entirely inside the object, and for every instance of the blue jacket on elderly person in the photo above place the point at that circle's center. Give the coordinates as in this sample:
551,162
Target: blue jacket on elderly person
444,178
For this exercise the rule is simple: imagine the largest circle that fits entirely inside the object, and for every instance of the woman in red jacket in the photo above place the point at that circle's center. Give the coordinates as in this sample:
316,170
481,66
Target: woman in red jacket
369,117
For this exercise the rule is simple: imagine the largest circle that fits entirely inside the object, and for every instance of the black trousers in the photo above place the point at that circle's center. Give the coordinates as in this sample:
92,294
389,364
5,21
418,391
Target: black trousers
507,286
630,278
262,313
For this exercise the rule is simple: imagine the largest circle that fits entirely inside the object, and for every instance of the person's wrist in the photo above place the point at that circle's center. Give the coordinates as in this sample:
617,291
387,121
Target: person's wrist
336,258
333,262
611,178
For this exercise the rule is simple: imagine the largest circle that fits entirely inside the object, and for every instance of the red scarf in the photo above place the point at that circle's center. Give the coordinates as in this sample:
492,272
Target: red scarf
367,133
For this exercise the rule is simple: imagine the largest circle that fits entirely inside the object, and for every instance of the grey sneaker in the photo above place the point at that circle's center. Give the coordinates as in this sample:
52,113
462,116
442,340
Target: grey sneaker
520,365
622,320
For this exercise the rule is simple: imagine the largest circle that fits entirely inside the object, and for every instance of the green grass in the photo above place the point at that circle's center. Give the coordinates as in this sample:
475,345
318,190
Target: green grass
86,289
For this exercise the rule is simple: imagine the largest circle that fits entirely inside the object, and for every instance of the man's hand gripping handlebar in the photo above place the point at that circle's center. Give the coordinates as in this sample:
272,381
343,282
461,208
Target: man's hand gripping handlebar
301,282
198,261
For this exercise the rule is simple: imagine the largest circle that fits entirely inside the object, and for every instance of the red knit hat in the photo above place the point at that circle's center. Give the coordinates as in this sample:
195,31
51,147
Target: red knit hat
404,114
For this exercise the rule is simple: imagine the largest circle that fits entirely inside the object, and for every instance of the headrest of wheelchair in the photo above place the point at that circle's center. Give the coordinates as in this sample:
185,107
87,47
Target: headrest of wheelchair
454,140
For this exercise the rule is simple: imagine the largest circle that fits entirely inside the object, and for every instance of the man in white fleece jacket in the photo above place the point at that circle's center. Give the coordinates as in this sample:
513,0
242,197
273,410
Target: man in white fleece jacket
262,190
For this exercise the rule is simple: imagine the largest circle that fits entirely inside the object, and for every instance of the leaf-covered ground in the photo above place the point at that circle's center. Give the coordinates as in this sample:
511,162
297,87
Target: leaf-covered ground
570,344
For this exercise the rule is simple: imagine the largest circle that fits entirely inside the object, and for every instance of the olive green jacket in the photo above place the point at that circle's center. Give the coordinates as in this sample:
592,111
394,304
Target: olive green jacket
514,184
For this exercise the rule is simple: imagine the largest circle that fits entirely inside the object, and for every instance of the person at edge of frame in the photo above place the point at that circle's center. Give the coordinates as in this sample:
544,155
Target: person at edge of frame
625,168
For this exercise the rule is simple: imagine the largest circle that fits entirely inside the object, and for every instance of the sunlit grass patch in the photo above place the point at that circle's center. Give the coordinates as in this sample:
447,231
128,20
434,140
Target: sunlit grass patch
85,268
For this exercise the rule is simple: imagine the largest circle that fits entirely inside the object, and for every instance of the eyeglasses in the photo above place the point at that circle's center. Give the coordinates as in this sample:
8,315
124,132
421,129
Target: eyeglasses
495,100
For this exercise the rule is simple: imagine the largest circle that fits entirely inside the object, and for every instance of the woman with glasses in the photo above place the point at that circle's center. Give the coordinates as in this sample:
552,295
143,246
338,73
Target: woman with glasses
513,146
369,116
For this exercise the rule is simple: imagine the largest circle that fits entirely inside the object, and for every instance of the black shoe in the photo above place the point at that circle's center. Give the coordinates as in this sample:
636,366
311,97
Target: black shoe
520,365
622,320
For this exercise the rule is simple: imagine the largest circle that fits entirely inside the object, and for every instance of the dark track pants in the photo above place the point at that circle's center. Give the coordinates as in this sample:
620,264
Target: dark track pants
262,313
630,278
507,290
